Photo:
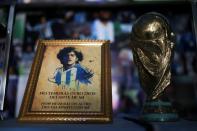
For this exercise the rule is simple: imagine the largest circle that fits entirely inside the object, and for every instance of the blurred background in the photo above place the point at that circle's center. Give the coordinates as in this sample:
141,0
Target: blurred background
101,19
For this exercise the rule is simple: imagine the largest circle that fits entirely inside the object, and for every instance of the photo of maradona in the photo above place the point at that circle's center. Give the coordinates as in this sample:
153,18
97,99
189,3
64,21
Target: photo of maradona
71,74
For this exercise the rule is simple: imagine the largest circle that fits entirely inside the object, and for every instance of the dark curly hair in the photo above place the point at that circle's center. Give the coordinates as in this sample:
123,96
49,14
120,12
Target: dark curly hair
67,50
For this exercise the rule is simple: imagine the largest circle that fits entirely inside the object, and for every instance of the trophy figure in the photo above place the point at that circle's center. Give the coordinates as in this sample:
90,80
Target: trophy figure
152,42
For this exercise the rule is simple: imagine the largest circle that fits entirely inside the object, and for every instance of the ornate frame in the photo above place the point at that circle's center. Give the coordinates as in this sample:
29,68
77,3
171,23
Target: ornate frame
103,116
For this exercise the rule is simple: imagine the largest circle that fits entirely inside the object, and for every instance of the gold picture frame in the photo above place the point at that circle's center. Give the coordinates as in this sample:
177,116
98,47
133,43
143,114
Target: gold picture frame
67,88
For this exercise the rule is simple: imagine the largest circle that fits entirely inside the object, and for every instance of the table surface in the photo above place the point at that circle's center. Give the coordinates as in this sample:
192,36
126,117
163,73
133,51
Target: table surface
118,124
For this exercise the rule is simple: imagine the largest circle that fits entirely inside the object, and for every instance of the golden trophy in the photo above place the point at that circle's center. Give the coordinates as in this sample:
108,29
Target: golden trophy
152,42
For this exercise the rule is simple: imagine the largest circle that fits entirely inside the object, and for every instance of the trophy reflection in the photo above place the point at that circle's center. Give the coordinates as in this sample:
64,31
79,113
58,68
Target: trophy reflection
152,42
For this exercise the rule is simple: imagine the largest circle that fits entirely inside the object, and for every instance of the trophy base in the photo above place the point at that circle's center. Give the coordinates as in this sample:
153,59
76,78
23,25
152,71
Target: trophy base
159,111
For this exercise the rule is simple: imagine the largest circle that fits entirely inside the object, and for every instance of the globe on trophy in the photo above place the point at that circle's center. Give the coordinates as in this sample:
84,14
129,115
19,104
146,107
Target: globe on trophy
152,43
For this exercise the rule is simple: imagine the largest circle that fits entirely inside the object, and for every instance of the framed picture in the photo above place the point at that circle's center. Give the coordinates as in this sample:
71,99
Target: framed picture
69,82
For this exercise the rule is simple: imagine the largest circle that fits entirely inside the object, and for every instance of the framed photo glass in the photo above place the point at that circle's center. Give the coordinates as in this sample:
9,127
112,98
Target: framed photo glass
70,81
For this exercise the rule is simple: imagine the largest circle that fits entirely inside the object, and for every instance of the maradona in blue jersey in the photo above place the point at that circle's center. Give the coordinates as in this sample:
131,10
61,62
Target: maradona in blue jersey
71,74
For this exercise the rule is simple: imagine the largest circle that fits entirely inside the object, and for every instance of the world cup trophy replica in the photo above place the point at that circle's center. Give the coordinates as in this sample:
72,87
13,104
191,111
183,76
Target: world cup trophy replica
152,43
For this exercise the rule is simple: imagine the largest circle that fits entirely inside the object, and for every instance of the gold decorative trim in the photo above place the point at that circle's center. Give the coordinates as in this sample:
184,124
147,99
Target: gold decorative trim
105,115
